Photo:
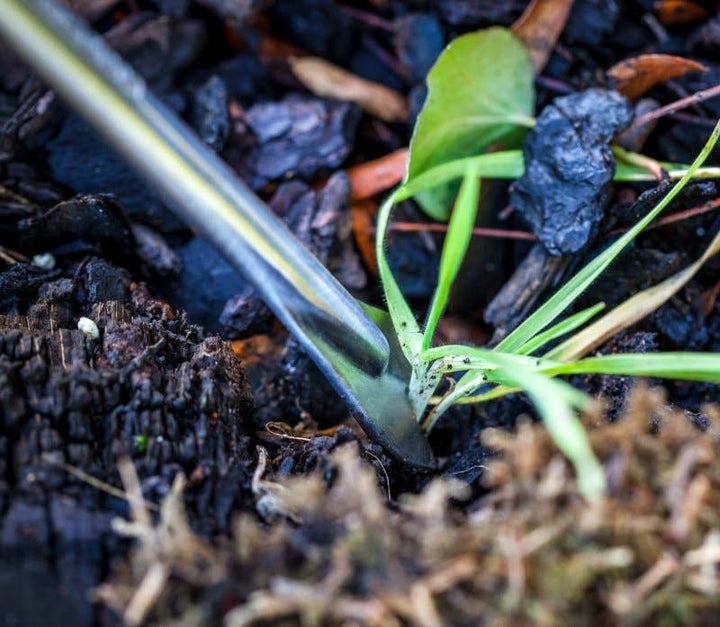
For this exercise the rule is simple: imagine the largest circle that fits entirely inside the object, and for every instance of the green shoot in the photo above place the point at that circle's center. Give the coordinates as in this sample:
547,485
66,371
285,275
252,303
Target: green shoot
456,244
687,366
451,132
561,328
492,373
630,311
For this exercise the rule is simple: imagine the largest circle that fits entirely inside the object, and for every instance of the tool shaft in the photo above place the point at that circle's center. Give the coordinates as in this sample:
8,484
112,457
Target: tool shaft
208,196
347,346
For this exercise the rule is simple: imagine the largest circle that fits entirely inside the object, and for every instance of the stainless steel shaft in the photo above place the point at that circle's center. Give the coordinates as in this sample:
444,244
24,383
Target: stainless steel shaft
347,346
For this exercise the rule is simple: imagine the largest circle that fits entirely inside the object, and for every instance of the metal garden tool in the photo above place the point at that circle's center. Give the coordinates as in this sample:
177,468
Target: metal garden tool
369,371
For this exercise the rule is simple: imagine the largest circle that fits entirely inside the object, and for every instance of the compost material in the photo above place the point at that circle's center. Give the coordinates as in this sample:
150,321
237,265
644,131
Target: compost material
143,382
530,552
151,387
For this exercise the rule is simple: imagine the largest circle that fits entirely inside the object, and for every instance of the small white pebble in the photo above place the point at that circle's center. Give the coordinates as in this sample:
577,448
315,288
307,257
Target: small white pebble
46,261
89,328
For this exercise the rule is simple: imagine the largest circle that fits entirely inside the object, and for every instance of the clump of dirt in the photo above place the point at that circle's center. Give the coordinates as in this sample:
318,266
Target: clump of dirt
330,548
569,168
134,380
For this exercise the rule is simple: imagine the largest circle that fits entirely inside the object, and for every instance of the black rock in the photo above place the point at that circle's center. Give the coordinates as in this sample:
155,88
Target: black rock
474,12
693,194
698,81
205,283
298,136
614,389
80,159
20,282
98,281
681,321
209,112
591,21
157,46
247,80
365,62
92,218
418,42
705,42
569,168
636,270
246,314
319,26
157,257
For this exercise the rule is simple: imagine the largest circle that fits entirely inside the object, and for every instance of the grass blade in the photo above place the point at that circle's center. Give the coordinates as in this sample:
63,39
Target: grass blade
406,327
507,164
560,329
556,402
456,243
687,366
630,311
567,294
467,384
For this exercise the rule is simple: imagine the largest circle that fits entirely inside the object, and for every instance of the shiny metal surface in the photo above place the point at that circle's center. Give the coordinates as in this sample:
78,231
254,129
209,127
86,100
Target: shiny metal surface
346,345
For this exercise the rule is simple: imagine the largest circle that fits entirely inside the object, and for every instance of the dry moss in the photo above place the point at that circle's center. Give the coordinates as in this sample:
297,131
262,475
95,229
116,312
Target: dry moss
530,552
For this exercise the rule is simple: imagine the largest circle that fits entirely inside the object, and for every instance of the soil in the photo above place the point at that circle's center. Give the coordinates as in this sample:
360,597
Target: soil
249,494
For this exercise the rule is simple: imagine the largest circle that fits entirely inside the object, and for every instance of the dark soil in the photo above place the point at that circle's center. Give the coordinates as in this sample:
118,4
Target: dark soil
288,515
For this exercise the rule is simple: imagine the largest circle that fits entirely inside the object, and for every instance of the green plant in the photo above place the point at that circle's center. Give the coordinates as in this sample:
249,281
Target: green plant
518,363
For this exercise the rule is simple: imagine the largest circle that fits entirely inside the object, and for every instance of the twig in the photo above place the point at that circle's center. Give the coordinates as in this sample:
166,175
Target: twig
97,483
412,227
674,107
481,231
678,217
553,84
368,18
692,119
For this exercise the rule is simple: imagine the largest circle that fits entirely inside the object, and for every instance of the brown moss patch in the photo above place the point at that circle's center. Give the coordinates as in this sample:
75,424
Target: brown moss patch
332,550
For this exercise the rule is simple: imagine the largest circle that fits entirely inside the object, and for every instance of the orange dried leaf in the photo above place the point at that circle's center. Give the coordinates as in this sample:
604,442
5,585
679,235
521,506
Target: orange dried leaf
673,12
637,75
373,177
539,28
255,349
330,81
363,213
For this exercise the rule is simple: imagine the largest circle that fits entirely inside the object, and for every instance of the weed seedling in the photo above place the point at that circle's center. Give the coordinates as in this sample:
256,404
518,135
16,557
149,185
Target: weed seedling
497,109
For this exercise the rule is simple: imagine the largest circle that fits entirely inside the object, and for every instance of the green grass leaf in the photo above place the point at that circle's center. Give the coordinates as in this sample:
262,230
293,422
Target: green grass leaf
556,401
481,91
630,311
404,323
560,329
505,164
509,164
455,246
687,366
567,294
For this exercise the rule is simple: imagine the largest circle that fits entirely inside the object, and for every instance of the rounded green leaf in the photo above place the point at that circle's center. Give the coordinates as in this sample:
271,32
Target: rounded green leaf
480,92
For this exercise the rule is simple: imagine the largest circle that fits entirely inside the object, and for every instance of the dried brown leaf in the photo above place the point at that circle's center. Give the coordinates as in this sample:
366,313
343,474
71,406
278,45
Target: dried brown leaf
371,178
539,27
363,215
330,81
674,12
637,75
